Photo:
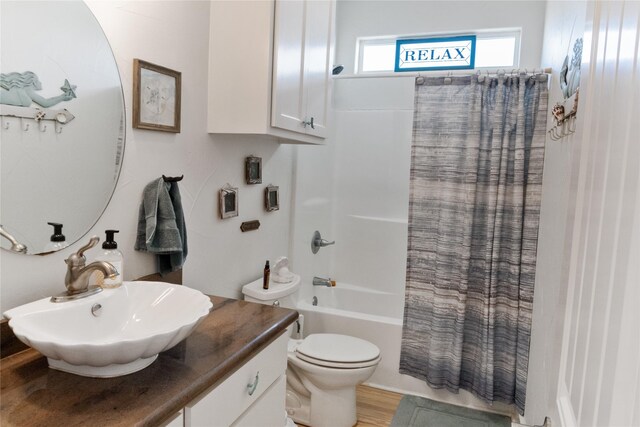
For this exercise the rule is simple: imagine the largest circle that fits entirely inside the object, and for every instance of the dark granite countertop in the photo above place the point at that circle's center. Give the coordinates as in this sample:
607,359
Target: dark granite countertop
33,395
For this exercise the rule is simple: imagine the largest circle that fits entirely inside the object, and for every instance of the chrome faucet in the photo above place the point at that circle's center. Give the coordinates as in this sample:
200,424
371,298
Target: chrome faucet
77,278
319,281
15,246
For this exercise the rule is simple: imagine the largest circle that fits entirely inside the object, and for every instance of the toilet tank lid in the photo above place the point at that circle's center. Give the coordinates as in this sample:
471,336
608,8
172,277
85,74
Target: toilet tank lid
275,291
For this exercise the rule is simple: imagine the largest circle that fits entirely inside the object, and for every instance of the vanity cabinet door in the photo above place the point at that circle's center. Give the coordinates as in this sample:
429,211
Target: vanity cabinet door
224,404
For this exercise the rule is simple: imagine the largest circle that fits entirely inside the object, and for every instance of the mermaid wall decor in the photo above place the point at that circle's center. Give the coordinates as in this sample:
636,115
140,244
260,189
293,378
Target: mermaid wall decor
18,91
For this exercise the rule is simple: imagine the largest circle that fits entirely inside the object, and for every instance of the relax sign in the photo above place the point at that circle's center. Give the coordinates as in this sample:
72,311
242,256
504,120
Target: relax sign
452,53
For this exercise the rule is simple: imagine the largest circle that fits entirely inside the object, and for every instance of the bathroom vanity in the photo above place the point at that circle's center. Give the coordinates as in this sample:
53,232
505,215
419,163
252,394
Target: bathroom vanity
229,371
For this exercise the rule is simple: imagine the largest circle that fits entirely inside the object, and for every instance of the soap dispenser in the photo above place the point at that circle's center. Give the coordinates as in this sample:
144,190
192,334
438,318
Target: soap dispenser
113,256
57,240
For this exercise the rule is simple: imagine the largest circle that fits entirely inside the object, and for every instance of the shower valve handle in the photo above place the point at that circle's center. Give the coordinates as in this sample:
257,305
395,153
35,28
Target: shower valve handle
322,243
318,242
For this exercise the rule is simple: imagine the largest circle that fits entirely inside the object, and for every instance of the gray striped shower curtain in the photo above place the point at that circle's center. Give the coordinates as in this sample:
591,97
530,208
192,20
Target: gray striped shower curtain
476,178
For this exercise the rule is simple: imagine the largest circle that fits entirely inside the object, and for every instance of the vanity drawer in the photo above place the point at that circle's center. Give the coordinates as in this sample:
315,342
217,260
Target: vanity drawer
268,411
222,405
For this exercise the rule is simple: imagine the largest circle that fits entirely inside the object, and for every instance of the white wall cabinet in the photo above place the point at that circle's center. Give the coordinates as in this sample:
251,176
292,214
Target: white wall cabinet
254,395
270,67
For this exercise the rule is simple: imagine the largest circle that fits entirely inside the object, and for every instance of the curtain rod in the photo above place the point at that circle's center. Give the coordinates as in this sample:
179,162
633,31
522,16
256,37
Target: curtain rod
445,73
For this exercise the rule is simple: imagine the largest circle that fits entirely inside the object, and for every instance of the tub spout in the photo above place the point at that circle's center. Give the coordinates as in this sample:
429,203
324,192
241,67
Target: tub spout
319,281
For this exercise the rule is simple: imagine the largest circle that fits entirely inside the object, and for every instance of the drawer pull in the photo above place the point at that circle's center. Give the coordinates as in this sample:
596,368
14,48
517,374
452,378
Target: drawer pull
251,388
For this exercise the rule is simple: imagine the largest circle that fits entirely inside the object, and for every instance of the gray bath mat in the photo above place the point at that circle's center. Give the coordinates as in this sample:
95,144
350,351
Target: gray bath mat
414,411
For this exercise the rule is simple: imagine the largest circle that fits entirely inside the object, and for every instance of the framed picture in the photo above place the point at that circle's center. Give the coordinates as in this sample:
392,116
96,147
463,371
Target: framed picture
156,97
253,170
228,202
271,198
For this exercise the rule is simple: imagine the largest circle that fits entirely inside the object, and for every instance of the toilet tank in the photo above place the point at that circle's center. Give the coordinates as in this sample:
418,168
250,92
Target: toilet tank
280,294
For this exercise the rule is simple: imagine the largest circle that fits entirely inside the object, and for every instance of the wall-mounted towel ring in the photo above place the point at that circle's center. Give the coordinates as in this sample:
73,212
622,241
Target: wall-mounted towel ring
172,178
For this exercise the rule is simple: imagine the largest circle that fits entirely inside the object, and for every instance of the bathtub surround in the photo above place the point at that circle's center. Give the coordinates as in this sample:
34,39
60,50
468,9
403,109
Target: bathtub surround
476,180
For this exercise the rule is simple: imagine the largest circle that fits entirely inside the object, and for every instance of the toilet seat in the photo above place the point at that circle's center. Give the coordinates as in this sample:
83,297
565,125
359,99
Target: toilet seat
337,351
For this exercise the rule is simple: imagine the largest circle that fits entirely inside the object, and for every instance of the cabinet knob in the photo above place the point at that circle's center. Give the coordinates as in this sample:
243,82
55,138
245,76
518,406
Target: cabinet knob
251,388
306,123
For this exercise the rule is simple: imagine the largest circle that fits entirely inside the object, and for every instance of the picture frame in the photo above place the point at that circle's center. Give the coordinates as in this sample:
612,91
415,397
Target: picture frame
228,202
272,198
253,170
157,93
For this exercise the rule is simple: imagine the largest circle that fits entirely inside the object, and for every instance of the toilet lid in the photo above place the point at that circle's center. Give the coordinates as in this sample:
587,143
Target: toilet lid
338,351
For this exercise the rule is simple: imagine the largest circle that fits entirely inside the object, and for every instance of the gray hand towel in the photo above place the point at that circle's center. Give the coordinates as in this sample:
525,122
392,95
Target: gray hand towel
161,225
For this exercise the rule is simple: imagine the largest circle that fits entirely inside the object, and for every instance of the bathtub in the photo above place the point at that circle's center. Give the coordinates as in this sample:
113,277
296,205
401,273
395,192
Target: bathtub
376,317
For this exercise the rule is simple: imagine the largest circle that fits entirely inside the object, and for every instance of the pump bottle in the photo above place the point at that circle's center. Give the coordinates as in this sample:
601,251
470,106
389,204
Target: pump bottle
57,240
112,255
265,277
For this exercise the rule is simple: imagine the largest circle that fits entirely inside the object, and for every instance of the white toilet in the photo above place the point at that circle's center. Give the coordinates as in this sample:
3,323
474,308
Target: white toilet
323,370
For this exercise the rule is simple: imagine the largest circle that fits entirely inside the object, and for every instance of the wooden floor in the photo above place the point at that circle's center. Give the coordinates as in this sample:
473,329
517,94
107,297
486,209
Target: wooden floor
375,406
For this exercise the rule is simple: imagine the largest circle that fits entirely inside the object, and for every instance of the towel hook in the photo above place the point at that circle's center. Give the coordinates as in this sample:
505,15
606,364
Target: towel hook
172,178
557,132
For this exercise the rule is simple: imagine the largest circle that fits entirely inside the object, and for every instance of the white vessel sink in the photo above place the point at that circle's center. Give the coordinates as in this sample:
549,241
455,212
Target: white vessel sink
113,333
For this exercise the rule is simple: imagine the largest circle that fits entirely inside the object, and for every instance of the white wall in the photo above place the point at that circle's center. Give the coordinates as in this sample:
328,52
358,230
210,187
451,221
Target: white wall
174,34
564,23
358,18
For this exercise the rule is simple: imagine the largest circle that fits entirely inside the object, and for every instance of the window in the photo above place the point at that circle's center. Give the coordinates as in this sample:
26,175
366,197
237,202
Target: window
494,49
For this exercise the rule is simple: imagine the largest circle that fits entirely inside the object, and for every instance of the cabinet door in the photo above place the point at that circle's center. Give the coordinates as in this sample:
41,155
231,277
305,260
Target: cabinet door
317,57
288,66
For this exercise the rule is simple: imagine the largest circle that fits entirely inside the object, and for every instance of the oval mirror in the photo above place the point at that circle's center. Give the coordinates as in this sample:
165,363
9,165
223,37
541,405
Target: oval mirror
62,123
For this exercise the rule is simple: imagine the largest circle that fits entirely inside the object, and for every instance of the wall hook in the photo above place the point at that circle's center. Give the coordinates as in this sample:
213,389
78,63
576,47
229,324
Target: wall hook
25,126
7,125
43,127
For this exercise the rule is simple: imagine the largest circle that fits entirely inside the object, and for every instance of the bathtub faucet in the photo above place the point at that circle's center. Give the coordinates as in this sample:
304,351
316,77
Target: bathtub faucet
319,281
